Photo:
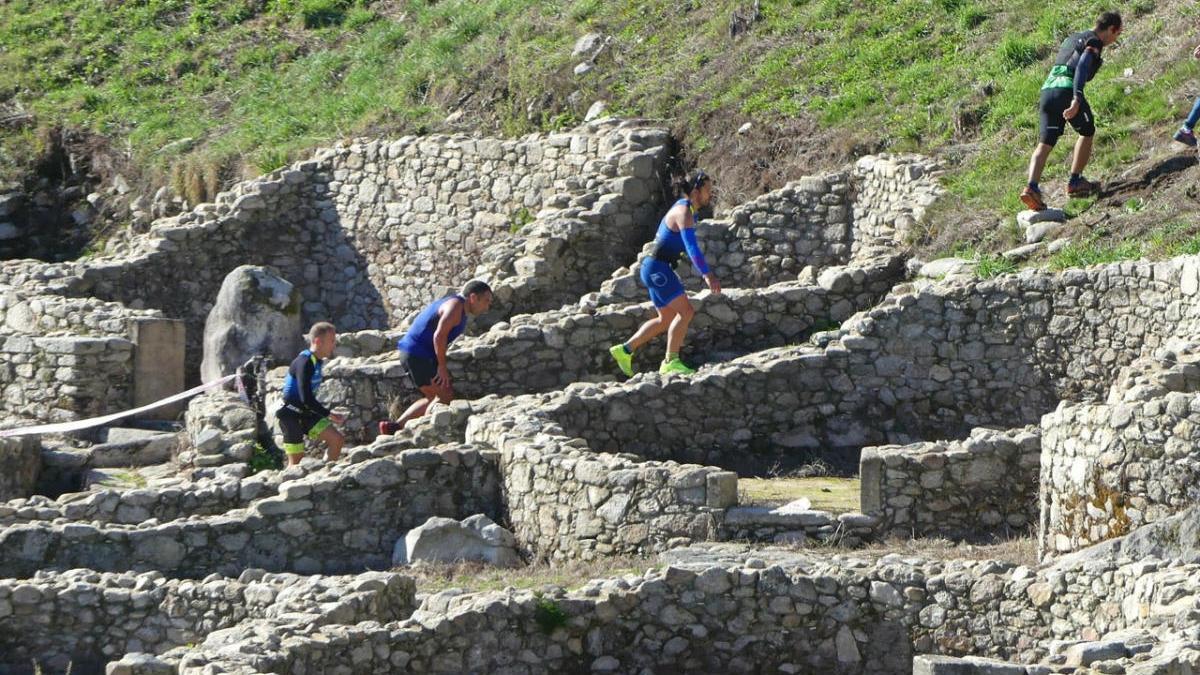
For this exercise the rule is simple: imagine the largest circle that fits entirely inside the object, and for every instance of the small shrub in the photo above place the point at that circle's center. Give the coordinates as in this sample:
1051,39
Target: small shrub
262,460
269,159
519,220
548,615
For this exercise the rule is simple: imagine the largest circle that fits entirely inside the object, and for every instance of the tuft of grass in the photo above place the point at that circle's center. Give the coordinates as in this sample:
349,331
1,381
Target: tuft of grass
519,220
991,265
1095,252
125,479
548,615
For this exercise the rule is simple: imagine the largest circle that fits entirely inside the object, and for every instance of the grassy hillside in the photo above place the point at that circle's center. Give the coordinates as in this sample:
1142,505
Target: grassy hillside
255,83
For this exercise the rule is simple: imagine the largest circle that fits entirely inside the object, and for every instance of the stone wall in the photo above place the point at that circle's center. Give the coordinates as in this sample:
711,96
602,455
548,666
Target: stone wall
20,464
799,615
1109,468
565,502
984,484
344,519
893,193
795,526
933,360
371,231
37,312
543,352
817,221
162,505
99,617
55,379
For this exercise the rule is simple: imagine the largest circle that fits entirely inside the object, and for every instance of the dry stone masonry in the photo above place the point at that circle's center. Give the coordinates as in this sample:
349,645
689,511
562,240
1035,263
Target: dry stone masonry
817,222
984,484
99,617
20,464
716,609
970,408
1109,468
549,350
345,519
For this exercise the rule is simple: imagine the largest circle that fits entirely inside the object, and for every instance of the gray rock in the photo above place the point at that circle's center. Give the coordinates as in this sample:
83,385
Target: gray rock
139,664
447,540
1087,653
595,111
942,267
1058,245
587,44
1022,252
1030,217
256,312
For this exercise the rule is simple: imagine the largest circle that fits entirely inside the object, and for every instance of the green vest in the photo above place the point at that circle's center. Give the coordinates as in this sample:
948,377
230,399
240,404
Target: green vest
1061,77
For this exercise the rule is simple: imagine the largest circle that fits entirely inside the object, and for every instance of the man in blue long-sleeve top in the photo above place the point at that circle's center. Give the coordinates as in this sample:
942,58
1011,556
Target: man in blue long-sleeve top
302,415
1079,58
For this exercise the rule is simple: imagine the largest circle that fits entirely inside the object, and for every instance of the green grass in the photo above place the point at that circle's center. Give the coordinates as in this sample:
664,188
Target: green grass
990,265
260,82
129,478
836,495
1094,252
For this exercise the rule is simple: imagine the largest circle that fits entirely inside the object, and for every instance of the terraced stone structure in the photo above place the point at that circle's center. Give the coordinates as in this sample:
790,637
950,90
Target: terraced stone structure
969,408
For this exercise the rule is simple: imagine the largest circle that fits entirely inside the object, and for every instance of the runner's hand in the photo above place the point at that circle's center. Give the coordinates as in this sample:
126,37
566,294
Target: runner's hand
442,379
1070,113
713,284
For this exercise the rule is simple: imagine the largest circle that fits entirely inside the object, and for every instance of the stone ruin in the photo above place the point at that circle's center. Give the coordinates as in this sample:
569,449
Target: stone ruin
1058,407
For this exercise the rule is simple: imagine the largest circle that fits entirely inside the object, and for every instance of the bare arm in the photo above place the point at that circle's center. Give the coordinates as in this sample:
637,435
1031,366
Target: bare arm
449,316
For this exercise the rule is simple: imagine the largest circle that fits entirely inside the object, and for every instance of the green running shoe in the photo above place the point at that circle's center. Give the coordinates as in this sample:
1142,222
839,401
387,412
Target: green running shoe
675,366
624,359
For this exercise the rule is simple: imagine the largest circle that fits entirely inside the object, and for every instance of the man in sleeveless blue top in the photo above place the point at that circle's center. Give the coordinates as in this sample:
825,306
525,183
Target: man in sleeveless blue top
424,346
676,235
302,415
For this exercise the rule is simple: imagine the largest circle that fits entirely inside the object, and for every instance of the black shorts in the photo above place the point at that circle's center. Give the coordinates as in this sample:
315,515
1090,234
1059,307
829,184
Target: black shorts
1050,113
296,426
420,369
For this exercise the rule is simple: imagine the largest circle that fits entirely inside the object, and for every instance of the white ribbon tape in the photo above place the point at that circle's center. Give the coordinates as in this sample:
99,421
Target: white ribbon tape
63,427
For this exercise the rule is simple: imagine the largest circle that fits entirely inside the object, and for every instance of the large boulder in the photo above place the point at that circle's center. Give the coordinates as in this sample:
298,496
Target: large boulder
256,312
447,540
20,464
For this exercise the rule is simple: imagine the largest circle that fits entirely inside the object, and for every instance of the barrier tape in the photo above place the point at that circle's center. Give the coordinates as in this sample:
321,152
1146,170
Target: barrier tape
63,427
